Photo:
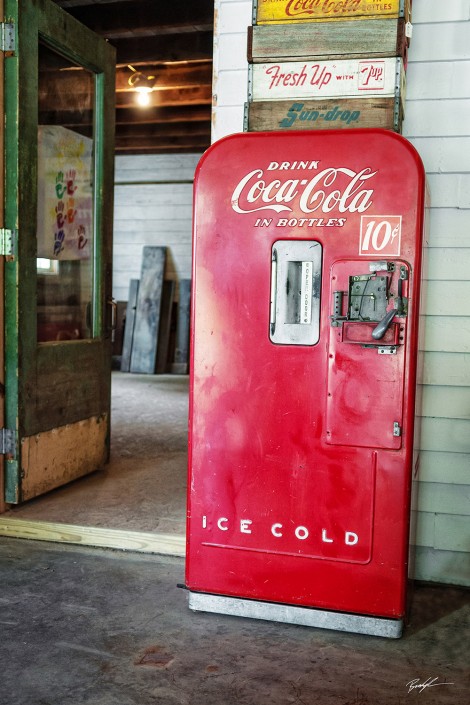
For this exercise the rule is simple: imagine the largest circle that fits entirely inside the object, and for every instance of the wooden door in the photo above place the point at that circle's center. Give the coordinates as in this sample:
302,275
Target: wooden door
59,147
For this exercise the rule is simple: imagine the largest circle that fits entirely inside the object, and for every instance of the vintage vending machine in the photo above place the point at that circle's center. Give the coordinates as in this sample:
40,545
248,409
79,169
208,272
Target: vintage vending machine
306,289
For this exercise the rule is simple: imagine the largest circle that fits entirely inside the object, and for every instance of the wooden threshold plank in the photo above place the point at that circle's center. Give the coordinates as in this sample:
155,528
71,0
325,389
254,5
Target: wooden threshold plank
139,541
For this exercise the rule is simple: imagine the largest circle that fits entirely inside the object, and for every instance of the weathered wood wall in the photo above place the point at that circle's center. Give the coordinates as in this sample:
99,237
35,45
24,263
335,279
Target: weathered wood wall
437,121
153,206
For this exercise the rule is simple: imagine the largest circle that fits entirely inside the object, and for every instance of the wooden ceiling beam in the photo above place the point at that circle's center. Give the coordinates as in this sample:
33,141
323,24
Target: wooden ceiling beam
149,116
166,48
167,76
157,130
130,116
195,95
139,18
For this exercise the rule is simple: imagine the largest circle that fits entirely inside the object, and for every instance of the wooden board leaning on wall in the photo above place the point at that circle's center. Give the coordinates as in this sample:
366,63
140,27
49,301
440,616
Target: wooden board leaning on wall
269,11
330,114
327,40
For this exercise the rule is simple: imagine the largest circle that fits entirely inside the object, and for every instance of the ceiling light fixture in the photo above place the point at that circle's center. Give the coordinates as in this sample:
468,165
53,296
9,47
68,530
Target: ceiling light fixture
143,85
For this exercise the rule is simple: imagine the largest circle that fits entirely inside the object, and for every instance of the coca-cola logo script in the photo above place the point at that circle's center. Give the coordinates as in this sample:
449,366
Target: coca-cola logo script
332,188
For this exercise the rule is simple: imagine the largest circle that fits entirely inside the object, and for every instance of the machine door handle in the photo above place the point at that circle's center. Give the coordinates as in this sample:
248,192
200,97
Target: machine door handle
381,328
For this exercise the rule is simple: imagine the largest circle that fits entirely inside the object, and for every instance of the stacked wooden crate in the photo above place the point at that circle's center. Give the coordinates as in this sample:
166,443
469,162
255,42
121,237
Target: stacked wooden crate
327,64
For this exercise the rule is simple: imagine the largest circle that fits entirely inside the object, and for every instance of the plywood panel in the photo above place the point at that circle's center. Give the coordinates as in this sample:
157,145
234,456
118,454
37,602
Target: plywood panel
55,457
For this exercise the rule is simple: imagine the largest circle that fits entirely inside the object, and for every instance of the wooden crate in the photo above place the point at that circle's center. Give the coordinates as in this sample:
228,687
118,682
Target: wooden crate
332,114
271,11
295,80
327,40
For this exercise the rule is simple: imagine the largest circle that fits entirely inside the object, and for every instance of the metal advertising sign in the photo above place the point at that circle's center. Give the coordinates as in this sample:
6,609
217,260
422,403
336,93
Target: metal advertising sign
268,11
325,79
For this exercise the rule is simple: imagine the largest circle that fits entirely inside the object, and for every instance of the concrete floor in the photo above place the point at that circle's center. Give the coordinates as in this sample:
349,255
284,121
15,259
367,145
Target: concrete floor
143,488
97,627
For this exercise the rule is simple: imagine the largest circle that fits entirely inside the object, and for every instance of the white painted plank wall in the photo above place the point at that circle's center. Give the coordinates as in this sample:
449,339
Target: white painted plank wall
153,206
438,123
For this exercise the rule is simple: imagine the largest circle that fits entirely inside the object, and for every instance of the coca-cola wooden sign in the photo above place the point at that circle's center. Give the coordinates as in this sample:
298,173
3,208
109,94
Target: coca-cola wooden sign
267,11
325,79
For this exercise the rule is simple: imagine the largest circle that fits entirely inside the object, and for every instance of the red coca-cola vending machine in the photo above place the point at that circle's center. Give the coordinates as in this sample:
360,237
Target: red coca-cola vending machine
306,288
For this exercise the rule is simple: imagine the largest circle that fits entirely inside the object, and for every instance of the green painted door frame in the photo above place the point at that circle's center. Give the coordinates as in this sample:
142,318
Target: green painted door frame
55,384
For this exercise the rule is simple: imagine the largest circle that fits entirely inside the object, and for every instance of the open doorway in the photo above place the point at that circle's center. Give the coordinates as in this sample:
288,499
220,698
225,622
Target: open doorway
143,488
142,491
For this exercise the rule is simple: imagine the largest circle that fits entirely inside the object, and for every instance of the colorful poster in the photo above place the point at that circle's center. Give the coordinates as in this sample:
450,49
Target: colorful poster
65,194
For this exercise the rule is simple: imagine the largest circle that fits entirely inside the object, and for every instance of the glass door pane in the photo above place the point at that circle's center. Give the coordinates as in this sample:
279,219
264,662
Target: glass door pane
65,188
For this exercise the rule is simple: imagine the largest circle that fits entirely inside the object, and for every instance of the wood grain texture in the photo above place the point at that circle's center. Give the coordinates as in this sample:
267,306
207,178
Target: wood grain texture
56,457
340,113
147,316
139,541
168,295
130,325
181,363
327,40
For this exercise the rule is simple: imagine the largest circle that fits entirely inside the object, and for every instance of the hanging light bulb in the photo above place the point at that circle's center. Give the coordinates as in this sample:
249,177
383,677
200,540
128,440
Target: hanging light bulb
142,85
143,96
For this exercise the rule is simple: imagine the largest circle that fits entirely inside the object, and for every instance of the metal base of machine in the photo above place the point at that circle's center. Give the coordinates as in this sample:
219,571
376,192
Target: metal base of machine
291,614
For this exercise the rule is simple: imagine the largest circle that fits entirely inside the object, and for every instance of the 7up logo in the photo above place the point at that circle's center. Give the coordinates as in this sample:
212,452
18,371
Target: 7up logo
380,235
